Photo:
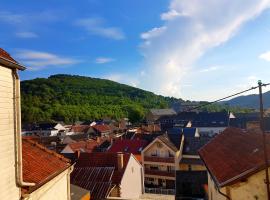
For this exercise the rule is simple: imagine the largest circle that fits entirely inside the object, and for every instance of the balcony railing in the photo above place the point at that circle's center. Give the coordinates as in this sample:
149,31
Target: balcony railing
159,173
160,191
159,159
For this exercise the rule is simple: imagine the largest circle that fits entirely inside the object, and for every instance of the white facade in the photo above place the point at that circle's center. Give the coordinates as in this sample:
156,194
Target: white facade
132,186
8,188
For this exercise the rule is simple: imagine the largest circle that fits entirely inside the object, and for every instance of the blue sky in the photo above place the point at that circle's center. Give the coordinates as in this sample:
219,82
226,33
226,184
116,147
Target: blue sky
180,48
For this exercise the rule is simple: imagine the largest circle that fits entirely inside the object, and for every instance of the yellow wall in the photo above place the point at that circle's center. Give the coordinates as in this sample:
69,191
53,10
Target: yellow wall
185,167
253,189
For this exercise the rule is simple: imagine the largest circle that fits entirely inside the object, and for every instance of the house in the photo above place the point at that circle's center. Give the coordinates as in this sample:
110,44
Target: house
46,129
207,123
128,146
102,130
159,160
109,174
80,129
28,170
171,152
154,114
235,163
81,146
47,171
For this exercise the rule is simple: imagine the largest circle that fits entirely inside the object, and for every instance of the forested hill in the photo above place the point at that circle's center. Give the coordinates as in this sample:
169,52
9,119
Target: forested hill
71,98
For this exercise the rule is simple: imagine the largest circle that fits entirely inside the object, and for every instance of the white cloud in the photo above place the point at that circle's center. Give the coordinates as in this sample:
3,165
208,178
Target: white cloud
171,14
36,60
153,33
26,35
265,56
96,26
103,60
198,27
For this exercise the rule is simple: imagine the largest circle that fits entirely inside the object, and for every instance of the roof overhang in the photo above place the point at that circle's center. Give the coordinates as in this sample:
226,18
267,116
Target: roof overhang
11,64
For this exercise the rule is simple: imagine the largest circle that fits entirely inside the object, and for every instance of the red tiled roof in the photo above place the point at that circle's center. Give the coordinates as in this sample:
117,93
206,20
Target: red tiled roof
104,159
102,128
128,146
234,155
80,128
84,146
40,165
6,55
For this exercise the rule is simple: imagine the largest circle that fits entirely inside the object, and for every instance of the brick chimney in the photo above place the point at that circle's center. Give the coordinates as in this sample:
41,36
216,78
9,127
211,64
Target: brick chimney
120,161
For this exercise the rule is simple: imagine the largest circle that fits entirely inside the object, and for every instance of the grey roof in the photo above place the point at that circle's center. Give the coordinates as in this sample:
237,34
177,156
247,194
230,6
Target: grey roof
193,144
166,140
77,193
161,112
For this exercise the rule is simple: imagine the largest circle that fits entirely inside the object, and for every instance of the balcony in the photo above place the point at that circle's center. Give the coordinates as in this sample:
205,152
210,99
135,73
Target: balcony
159,159
159,173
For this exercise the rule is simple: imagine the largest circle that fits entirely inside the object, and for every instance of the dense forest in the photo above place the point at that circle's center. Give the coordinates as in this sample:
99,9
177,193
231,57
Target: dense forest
71,98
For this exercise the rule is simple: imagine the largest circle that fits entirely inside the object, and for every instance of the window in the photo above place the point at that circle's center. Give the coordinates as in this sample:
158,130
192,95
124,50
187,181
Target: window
154,153
154,167
189,168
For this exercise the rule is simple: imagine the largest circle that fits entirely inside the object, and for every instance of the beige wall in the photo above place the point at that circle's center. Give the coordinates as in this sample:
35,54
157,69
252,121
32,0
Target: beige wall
163,150
56,189
8,188
253,189
185,167
132,181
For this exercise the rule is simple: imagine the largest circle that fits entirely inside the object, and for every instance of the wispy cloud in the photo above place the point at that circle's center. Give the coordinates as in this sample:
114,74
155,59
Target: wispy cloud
26,35
103,60
96,26
265,56
153,33
37,60
190,31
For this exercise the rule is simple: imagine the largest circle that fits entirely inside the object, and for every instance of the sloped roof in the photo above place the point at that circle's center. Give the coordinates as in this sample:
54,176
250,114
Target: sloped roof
234,155
40,165
80,128
168,142
104,159
8,61
95,179
161,112
84,146
102,128
128,146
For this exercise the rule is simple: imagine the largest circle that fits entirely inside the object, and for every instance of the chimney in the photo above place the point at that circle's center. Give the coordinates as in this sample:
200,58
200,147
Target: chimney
120,161
98,140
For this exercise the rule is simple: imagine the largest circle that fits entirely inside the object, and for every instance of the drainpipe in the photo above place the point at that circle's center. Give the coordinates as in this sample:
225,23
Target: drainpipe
226,196
17,129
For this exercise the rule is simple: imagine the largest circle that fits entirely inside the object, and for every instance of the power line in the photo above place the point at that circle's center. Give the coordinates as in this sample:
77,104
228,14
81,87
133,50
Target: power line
218,100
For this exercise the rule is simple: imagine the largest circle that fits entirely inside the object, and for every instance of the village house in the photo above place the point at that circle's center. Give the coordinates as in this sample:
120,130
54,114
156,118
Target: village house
154,114
235,163
102,130
171,152
47,171
23,177
109,175
46,129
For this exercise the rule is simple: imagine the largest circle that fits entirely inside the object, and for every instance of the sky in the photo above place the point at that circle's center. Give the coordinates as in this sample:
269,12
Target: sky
188,49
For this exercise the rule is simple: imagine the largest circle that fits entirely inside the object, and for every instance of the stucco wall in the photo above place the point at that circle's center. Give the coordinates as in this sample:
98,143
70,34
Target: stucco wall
132,182
253,189
8,188
56,189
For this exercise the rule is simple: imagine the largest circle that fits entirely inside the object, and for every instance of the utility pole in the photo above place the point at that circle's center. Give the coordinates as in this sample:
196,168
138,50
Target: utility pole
264,140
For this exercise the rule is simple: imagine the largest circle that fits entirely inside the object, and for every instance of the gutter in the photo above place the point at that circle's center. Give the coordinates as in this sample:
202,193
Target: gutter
17,129
11,64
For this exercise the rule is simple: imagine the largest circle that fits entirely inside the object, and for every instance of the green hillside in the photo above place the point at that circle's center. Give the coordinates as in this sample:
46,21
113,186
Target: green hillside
71,98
